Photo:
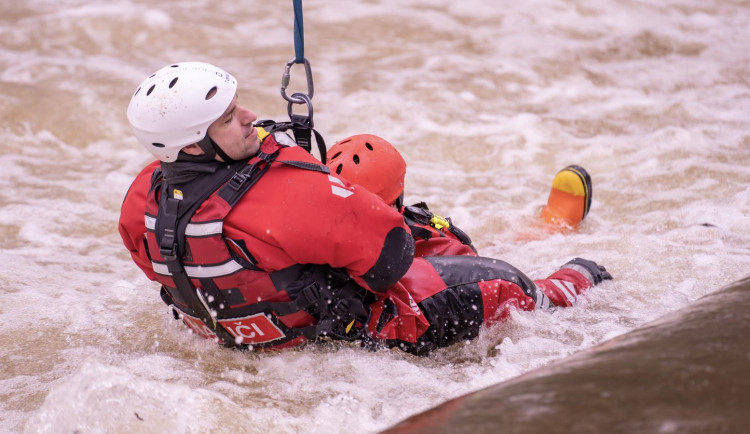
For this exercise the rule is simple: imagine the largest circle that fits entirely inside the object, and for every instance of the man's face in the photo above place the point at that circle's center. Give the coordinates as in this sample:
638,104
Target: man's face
234,131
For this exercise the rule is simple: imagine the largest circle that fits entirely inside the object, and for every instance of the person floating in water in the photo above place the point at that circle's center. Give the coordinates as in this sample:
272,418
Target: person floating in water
375,164
258,245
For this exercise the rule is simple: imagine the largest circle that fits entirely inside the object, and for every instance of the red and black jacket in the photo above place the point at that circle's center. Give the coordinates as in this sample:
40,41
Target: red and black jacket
266,252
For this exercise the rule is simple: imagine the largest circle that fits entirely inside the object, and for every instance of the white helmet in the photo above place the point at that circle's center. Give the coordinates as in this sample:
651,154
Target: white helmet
174,107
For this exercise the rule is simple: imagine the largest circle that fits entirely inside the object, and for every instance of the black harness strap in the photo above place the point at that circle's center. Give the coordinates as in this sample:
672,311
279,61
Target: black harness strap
414,215
307,166
333,305
242,180
462,236
420,214
333,310
194,194
301,132
171,222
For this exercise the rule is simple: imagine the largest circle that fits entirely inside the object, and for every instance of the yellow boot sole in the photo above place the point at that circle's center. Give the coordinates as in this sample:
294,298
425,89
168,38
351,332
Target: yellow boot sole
570,197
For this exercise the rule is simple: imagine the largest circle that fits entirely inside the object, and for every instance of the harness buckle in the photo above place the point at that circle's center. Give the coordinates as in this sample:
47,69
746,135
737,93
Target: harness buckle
240,177
439,222
341,309
237,180
168,246
315,296
418,214
302,124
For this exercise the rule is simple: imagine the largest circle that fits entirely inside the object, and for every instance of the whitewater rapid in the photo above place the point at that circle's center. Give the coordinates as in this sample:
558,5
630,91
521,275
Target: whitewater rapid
486,100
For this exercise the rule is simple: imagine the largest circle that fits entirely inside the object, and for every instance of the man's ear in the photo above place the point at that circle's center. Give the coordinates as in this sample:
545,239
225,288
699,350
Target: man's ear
193,149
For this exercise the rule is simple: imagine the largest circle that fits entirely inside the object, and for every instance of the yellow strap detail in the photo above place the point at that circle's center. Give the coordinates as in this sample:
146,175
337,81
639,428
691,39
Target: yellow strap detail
262,133
349,327
439,222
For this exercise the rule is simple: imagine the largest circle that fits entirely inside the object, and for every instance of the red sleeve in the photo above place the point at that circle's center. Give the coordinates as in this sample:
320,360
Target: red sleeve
442,246
305,217
132,225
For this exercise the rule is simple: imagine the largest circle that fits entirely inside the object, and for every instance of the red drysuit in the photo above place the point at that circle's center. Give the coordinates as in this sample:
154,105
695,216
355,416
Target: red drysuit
303,253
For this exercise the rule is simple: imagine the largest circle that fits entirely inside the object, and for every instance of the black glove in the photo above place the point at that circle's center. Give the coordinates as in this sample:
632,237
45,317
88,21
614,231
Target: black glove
597,272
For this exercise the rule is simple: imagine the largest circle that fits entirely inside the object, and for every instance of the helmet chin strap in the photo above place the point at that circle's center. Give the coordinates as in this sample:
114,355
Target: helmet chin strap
211,150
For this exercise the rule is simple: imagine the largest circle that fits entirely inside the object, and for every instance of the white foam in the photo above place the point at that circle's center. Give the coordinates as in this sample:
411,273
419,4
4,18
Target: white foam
105,398
486,104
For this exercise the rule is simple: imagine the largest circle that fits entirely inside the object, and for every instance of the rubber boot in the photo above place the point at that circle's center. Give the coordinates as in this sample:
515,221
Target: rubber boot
570,197
563,287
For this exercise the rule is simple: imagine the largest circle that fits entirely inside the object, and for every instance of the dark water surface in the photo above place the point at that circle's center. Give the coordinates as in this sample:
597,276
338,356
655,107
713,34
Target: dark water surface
688,372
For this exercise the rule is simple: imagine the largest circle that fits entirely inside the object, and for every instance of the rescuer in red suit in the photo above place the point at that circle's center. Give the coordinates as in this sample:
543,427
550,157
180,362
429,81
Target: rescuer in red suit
444,254
257,245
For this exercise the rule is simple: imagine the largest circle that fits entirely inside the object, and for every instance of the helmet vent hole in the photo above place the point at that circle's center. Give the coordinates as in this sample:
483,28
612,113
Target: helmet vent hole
158,145
136,92
211,93
174,66
355,159
338,169
173,82
335,155
368,146
150,89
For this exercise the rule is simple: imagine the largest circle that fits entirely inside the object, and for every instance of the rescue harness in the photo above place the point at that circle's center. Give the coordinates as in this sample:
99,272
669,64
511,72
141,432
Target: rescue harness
420,219
209,290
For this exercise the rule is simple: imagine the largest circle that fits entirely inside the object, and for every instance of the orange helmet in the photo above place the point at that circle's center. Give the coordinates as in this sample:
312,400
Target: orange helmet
371,162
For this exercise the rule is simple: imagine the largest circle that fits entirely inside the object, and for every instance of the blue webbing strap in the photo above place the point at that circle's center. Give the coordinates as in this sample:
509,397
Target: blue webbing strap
299,34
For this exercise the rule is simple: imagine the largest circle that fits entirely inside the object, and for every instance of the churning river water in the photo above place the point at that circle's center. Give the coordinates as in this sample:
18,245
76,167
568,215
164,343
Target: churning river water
485,99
